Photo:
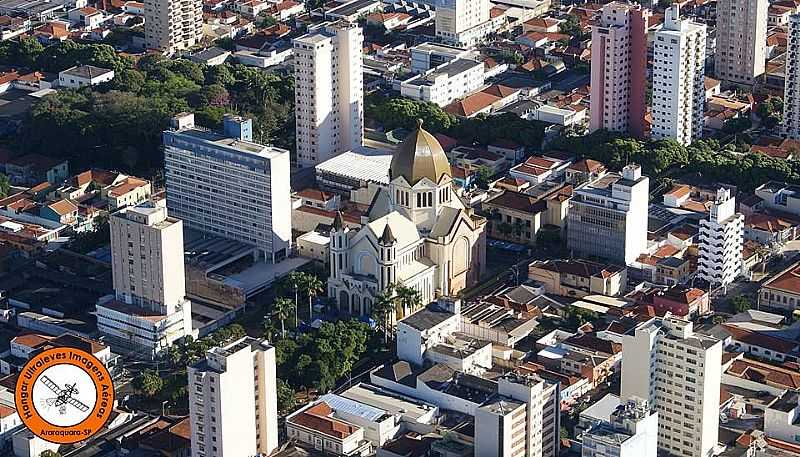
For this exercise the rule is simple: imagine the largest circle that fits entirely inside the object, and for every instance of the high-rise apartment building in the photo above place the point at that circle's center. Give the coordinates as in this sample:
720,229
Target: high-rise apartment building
524,422
328,92
172,25
679,53
233,403
721,239
149,310
229,186
679,373
632,431
791,90
463,22
741,40
619,69
608,217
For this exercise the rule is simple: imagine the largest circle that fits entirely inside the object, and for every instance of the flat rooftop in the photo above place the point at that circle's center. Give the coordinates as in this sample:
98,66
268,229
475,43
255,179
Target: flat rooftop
358,166
453,68
234,144
411,409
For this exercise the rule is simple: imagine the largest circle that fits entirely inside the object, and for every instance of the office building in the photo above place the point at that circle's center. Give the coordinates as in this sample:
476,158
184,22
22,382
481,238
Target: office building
619,64
741,40
463,22
613,209
791,91
227,185
721,238
172,25
328,92
233,403
632,431
679,52
678,372
149,310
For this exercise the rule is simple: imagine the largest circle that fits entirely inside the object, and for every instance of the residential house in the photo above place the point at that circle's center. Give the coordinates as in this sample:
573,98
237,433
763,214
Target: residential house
32,169
578,278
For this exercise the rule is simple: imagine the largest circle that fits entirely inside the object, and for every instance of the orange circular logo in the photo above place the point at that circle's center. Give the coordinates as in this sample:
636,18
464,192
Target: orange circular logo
64,395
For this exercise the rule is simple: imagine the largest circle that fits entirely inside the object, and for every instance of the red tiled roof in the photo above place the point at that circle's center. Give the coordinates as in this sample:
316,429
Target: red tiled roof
315,194
6,411
31,340
759,339
787,281
764,373
318,418
471,104
587,166
679,191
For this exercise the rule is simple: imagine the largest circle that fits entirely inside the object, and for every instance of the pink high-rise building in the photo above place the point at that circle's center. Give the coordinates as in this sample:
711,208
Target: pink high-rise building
619,69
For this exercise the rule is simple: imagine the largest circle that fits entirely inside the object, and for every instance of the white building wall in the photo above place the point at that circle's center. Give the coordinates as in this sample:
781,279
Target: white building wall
678,79
329,98
721,239
233,401
679,373
791,94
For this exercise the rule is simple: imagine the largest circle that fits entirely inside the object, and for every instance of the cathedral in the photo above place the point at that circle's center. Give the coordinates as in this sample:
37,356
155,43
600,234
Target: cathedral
417,232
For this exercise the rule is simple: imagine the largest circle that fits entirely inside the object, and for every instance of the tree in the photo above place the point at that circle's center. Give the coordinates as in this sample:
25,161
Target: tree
266,21
572,27
312,286
737,125
282,309
5,185
148,382
740,303
408,299
483,176
382,310
286,398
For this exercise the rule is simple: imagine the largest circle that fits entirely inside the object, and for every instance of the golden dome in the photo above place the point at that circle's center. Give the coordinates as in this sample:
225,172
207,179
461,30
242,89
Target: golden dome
419,156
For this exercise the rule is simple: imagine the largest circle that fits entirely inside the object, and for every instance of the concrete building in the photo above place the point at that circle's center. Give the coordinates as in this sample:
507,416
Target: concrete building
721,238
445,83
329,94
84,75
172,25
426,56
632,431
679,53
613,209
149,310
782,418
233,403
227,185
619,64
782,291
791,90
741,40
463,22
578,278
678,372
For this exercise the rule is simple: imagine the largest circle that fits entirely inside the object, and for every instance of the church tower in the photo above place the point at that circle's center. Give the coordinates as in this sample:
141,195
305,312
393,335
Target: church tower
387,245
420,178
340,244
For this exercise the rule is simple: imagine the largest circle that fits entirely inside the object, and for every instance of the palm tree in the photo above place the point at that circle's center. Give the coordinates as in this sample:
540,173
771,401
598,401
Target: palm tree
282,309
382,310
408,298
295,281
312,286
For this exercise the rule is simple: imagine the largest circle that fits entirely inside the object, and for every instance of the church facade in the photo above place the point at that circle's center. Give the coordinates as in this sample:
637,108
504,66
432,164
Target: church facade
417,232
